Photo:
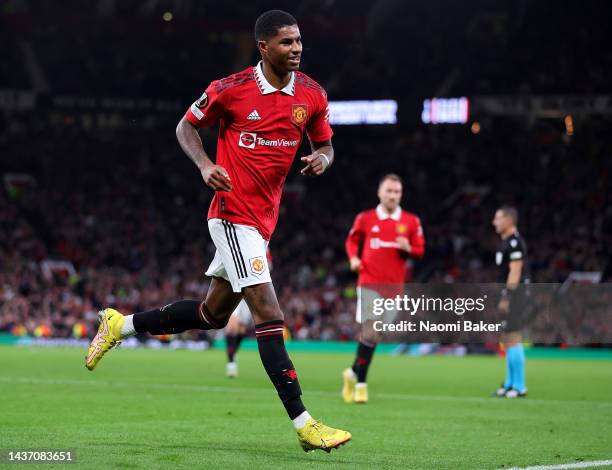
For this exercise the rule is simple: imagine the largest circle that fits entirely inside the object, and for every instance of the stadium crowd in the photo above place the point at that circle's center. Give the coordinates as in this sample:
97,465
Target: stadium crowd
99,213
126,209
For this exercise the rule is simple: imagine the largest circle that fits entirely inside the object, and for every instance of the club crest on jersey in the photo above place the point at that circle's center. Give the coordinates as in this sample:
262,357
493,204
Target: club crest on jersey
257,265
299,113
247,140
402,229
202,101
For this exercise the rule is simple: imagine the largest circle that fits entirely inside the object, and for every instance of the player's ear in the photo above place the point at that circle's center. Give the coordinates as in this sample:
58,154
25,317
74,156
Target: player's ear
262,46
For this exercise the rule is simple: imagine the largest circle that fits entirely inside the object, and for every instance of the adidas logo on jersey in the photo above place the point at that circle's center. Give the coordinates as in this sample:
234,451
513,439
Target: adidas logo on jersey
376,229
254,116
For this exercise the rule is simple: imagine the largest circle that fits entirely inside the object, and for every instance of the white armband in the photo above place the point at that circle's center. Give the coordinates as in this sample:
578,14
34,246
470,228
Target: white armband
327,163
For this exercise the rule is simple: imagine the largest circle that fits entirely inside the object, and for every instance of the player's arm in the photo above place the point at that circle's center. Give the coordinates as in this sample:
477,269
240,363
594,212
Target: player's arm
414,245
206,111
320,159
353,243
516,258
514,274
319,134
514,278
214,176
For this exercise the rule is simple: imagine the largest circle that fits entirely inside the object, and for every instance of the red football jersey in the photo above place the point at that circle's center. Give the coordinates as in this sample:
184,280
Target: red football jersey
260,130
375,232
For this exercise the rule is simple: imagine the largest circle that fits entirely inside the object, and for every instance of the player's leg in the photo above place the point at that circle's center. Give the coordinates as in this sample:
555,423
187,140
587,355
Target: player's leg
507,384
234,333
354,386
513,342
363,358
212,313
515,354
269,328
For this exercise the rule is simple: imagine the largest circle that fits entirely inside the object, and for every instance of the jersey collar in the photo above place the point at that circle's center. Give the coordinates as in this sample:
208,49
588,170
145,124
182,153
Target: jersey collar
266,88
382,214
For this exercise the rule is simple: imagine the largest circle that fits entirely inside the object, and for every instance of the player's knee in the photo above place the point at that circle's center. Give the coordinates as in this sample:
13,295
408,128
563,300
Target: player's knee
369,334
222,322
212,319
263,303
268,313
372,337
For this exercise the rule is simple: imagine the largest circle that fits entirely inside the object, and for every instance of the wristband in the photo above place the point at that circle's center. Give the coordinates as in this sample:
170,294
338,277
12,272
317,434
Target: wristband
326,160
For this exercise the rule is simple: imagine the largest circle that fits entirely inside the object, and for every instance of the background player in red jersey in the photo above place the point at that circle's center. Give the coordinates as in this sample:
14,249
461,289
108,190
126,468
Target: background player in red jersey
262,113
378,245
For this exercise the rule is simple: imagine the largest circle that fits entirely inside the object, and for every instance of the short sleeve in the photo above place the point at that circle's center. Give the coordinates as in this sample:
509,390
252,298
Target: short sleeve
515,250
207,109
318,127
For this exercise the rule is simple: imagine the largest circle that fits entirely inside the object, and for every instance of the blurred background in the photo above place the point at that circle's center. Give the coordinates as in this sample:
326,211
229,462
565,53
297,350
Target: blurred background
100,207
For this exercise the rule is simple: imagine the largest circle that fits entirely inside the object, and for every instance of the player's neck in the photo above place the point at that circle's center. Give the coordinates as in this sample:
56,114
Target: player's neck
388,211
508,233
275,78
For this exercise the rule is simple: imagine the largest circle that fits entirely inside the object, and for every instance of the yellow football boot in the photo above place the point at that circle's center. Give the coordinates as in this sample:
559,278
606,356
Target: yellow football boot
315,435
361,393
348,384
108,336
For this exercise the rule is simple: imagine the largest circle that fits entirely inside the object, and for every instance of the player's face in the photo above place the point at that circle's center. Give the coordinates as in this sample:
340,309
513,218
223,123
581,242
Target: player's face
284,50
390,194
501,222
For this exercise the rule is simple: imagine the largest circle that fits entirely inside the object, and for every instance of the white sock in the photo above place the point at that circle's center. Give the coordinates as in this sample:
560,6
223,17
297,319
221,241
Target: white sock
351,373
128,327
300,421
361,385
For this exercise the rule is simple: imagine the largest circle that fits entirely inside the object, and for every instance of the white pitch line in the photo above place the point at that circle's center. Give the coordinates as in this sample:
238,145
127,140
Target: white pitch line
222,389
590,464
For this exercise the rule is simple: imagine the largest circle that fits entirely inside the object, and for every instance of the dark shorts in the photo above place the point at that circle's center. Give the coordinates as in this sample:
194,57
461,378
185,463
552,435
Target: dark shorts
520,312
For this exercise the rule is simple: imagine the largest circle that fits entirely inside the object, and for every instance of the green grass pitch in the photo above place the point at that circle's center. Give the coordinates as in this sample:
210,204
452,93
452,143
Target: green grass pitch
176,409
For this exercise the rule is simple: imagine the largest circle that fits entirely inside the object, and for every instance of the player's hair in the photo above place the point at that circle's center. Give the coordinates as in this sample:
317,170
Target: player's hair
268,23
390,176
511,212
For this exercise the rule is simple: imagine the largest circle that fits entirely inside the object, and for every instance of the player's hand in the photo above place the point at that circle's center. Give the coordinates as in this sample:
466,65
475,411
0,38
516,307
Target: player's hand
216,177
404,244
504,305
315,165
355,264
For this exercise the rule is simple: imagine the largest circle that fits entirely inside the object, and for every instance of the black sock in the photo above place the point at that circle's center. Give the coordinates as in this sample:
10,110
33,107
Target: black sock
363,360
239,339
279,367
230,346
175,318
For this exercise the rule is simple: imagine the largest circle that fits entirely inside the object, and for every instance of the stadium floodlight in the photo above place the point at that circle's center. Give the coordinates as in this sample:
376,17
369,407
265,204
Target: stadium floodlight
445,111
363,112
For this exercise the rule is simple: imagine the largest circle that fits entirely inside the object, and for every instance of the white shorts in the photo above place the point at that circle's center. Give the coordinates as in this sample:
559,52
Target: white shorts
365,307
241,254
243,314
